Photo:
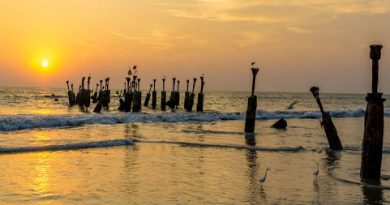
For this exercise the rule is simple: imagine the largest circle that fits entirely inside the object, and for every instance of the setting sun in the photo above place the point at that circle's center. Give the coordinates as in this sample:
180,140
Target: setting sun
45,64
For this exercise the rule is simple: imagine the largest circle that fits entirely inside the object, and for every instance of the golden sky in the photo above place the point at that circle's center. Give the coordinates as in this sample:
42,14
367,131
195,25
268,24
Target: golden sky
296,43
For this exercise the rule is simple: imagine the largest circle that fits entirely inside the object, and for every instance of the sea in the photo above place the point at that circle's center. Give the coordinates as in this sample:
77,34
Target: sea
51,153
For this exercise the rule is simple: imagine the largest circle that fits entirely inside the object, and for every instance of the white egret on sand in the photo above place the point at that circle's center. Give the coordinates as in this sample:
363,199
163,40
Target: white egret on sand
263,178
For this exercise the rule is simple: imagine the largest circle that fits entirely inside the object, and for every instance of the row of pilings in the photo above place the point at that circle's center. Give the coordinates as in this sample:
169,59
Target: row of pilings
372,145
130,98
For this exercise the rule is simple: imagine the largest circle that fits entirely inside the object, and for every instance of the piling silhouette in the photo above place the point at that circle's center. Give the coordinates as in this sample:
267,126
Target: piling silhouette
95,94
154,95
199,106
99,104
137,95
327,123
252,104
128,96
106,97
163,96
87,94
373,125
172,98
71,99
191,97
186,95
147,98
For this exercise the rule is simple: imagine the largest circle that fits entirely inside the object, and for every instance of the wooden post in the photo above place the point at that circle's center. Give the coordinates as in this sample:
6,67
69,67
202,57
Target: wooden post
95,94
128,96
373,125
137,97
146,103
327,123
250,120
199,106
106,98
191,98
187,95
87,96
163,96
70,95
154,95
177,94
171,102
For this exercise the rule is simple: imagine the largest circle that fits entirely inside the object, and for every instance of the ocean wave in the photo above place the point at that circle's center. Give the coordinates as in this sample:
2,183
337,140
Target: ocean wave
62,147
31,121
229,146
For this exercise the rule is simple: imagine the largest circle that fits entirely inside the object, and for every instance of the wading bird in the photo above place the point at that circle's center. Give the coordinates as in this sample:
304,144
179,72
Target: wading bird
263,178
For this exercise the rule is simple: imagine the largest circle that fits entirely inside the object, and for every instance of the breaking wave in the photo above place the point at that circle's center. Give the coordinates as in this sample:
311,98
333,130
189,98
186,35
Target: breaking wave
77,146
31,121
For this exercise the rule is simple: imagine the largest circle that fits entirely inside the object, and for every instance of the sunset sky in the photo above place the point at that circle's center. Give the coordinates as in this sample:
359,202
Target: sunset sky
296,43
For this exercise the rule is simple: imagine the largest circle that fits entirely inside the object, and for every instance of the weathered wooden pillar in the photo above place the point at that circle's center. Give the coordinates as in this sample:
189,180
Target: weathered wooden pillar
147,99
187,95
80,94
163,96
191,98
250,120
373,125
128,96
70,95
177,94
73,94
87,96
172,98
106,97
154,95
327,123
95,94
137,97
199,106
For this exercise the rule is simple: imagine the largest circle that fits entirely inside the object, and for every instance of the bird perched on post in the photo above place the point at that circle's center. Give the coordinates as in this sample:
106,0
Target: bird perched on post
263,178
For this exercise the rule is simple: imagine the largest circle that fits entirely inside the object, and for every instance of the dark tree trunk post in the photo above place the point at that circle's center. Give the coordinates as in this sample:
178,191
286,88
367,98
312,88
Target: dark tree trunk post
250,120
146,103
327,123
373,125
172,98
70,95
154,95
87,97
187,95
128,96
191,98
177,94
163,97
199,106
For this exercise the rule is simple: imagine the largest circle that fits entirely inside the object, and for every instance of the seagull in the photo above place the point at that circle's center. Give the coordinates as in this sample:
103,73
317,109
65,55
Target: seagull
317,171
263,178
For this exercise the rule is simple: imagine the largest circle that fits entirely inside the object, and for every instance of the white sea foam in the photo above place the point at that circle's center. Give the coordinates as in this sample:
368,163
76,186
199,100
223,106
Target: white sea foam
30,121
76,146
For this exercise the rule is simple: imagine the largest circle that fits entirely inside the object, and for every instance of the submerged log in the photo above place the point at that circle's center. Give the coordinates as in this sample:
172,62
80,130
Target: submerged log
373,125
327,123
250,120
199,106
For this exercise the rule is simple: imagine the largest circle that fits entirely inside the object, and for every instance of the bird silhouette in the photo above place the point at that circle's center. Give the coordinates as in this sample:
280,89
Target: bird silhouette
263,178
